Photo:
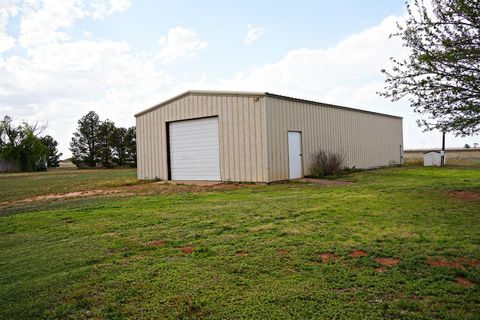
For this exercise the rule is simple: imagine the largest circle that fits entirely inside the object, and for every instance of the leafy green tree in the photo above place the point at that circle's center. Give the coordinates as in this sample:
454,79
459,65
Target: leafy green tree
22,145
467,146
106,135
84,144
131,144
10,139
53,155
9,133
33,153
441,76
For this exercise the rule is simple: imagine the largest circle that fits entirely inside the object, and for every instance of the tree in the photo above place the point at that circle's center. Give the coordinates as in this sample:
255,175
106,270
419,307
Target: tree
10,135
125,147
33,153
120,146
21,144
100,142
441,76
106,132
53,155
467,146
131,144
34,128
84,144
10,138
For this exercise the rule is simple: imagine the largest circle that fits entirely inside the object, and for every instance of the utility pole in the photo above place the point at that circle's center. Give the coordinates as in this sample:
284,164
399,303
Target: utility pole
442,153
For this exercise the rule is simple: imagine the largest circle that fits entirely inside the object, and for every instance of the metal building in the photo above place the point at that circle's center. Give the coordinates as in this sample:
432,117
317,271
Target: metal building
257,137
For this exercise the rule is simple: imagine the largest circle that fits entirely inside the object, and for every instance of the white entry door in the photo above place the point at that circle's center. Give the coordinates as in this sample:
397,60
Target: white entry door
295,155
194,150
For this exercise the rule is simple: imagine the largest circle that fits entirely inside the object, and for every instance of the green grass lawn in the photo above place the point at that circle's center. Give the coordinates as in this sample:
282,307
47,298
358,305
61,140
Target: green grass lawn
15,186
254,252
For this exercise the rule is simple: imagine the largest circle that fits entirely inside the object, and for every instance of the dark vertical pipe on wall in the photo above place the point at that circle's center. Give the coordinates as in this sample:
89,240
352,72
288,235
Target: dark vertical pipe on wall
442,159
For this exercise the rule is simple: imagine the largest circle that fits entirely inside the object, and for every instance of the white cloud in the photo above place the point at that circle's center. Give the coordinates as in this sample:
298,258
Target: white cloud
180,43
42,19
8,8
85,70
253,34
57,79
320,73
102,8
119,5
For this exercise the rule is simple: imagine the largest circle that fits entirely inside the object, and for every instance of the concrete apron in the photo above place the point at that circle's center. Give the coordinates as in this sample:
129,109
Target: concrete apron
191,182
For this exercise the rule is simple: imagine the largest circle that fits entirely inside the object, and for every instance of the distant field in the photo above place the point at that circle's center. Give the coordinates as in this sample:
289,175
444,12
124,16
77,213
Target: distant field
455,157
400,243
14,186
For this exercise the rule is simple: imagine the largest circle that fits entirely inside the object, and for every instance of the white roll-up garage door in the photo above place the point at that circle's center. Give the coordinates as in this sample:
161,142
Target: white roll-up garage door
194,151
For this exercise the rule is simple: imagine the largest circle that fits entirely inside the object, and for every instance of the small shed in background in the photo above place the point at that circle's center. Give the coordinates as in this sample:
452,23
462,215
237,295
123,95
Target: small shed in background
432,159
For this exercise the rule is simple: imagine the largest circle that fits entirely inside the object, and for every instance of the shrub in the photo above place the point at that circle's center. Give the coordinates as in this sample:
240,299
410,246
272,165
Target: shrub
326,163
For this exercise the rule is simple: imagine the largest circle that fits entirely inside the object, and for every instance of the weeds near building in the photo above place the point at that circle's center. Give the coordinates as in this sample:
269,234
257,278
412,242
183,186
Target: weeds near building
326,163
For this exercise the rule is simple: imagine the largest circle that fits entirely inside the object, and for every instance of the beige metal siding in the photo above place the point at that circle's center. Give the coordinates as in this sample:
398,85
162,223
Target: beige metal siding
365,139
241,134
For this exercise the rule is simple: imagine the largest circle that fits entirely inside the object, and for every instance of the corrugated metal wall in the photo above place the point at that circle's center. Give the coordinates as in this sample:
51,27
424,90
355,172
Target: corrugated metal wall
241,132
365,139
253,133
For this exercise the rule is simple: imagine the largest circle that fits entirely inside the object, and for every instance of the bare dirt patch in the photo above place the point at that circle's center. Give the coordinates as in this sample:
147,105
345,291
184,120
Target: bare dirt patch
468,262
358,254
144,189
157,243
241,253
76,194
387,262
63,196
327,257
283,252
464,282
187,249
168,188
473,196
444,263
380,269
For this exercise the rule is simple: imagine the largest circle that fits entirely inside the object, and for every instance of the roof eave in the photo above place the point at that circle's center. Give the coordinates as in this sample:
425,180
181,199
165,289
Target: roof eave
273,95
200,92
267,94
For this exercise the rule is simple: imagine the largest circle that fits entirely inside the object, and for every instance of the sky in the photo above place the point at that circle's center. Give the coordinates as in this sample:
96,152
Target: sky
60,59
